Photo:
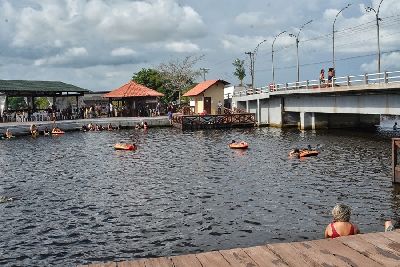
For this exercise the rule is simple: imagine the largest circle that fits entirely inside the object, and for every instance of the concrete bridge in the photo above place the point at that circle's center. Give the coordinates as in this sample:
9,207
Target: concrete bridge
348,101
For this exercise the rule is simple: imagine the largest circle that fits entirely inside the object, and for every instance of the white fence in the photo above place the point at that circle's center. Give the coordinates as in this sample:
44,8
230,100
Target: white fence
386,77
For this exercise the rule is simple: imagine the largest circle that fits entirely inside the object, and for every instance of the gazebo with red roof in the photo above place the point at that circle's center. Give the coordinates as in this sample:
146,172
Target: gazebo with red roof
206,95
136,99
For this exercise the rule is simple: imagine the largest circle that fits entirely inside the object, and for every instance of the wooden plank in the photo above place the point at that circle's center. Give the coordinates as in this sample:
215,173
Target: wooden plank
342,252
262,256
380,241
138,263
186,260
110,264
158,262
320,255
289,254
212,259
385,257
237,257
393,235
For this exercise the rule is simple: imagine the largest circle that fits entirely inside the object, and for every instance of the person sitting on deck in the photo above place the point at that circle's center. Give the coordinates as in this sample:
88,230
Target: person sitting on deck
341,225
390,226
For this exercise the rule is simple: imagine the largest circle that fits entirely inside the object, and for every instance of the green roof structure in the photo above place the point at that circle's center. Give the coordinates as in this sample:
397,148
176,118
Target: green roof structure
39,88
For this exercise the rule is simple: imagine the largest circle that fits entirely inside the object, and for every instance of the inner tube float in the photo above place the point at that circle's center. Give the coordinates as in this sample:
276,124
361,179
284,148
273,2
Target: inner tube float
57,132
241,145
121,146
308,153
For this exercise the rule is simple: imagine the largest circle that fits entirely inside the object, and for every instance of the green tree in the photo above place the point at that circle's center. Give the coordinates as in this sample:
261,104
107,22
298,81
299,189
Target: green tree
16,103
153,79
41,103
240,71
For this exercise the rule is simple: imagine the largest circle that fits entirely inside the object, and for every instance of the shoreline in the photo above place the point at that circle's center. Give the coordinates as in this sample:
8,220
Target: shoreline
23,128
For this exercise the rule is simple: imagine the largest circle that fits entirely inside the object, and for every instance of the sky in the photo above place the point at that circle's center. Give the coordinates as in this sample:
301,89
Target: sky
99,44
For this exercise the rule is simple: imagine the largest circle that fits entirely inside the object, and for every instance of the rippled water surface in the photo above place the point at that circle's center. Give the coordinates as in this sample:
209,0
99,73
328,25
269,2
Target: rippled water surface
79,201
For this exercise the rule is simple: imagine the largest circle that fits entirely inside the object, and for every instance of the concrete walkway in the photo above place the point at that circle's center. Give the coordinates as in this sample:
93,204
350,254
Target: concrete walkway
23,128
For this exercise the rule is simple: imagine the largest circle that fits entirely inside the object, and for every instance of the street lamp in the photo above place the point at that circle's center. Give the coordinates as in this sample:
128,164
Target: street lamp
297,47
369,9
333,35
254,59
252,56
273,71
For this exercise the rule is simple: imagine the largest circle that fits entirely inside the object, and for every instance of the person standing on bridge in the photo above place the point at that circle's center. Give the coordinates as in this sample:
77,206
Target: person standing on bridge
322,76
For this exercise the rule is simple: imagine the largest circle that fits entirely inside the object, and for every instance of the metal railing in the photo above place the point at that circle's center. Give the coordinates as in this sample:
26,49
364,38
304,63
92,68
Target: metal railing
386,77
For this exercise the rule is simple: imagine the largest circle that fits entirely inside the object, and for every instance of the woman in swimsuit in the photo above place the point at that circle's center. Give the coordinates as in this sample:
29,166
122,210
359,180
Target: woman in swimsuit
341,225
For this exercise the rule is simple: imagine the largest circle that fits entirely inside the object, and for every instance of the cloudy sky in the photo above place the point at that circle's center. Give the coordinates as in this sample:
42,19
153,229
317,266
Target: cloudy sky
99,44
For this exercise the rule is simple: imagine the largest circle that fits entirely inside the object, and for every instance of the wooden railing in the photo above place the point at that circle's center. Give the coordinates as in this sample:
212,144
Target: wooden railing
213,121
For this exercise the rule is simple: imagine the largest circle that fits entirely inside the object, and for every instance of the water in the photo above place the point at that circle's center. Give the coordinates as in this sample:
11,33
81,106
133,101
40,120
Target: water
78,201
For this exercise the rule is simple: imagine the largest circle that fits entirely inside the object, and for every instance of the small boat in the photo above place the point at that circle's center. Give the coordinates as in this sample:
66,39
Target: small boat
121,146
308,153
241,145
57,132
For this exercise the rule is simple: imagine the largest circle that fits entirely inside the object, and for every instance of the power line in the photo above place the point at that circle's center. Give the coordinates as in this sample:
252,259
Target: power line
329,61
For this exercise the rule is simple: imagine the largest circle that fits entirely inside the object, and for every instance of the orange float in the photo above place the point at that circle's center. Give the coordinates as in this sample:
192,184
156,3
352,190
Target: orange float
308,153
240,145
121,146
57,132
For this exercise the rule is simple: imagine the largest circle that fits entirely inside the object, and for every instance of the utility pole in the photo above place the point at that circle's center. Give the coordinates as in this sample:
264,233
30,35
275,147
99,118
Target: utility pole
251,55
369,9
297,47
204,70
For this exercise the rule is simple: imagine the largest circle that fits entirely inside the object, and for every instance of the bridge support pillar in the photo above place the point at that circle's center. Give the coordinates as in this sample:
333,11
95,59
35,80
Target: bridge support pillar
395,160
307,120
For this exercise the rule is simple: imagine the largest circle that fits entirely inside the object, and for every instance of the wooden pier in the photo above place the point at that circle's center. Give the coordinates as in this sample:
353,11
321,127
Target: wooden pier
196,122
373,249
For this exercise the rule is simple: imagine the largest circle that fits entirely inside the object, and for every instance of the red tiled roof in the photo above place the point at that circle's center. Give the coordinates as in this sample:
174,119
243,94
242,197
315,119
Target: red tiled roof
201,87
132,89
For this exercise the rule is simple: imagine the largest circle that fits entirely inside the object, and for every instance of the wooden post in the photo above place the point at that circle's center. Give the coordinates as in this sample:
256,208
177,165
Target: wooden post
395,163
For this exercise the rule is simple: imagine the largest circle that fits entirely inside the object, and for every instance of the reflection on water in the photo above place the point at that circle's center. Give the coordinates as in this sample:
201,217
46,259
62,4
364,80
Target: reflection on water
76,200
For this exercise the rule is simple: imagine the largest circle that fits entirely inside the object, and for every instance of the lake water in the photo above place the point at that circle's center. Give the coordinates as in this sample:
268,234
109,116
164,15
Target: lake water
78,201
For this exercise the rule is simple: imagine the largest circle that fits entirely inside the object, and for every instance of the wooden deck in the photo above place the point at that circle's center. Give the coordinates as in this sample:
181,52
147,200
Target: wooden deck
374,249
230,120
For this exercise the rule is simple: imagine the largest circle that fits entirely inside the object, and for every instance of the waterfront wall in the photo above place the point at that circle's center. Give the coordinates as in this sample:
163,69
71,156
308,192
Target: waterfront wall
23,128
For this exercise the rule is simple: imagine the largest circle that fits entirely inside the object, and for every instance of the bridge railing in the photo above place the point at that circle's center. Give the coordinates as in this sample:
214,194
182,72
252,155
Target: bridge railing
386,77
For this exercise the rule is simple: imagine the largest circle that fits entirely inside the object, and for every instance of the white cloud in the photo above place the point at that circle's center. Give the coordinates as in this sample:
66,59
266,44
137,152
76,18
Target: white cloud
122,51
73,22
64,58
182,47
389,61
254,19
